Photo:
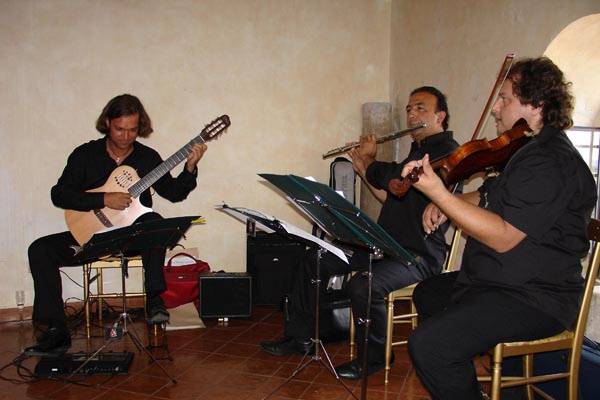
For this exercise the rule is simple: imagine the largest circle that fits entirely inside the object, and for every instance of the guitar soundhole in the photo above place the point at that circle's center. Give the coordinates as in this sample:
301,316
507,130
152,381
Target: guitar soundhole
124,179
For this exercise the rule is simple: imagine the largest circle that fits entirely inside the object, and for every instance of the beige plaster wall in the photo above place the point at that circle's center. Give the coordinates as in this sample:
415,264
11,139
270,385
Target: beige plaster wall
458,46
291,74
577,51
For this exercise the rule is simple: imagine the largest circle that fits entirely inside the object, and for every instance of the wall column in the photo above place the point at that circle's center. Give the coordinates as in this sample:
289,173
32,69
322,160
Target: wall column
377,119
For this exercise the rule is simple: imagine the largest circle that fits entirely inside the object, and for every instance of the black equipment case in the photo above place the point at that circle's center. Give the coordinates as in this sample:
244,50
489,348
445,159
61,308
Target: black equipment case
271,261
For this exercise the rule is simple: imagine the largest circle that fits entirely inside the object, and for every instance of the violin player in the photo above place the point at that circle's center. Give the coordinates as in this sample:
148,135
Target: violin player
521,273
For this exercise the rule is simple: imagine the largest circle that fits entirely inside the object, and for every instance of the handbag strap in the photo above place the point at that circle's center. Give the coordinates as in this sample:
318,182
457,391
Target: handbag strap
181,254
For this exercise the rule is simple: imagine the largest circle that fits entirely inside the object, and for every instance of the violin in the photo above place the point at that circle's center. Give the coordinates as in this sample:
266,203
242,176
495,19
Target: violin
476,155
470,158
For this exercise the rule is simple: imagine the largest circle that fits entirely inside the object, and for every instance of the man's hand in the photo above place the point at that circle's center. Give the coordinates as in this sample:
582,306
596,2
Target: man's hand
433,217
358,162
368,146
428,183
117,200
363,155
195,155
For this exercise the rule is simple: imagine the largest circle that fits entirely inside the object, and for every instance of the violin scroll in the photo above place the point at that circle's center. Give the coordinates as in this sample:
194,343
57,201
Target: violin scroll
399,187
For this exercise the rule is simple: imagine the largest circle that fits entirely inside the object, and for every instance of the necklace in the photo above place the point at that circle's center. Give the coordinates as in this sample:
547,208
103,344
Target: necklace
118,159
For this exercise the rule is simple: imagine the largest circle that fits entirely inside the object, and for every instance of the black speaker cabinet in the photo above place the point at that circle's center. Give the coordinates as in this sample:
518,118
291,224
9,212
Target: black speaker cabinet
225,294
271,260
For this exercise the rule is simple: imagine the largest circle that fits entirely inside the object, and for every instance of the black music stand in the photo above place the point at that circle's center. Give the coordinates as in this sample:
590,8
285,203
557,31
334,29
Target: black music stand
347,224
162,233
269,224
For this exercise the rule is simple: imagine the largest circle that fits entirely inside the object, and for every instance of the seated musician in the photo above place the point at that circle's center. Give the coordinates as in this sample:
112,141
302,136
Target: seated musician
122,120
400,217
521,272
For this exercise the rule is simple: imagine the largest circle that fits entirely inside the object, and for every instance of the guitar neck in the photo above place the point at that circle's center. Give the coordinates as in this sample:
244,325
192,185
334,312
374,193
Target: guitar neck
210,131
143,184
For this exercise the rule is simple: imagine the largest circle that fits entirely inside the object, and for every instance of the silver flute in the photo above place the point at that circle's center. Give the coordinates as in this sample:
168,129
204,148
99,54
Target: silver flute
382,139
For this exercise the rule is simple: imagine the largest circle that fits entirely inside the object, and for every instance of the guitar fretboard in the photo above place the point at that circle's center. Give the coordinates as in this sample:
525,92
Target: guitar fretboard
143,184
209,132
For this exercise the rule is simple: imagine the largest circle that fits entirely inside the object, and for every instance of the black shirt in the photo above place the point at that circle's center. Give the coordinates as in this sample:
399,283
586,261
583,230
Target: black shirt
547,192
401,217
90,165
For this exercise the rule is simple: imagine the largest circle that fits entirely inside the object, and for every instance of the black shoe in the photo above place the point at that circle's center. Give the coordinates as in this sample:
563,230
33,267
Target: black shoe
156,311
56,340
305,346
353,369
349,370
287,346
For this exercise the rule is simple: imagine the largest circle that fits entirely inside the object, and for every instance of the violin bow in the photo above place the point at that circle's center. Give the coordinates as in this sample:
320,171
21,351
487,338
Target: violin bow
504,70
506,66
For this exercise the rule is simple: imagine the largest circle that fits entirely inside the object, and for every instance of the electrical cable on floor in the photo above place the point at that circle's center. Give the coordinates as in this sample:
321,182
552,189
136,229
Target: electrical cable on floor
74,320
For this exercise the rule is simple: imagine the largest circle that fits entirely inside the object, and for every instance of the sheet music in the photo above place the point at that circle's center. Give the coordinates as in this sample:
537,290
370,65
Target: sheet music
294,230
235,213
239,213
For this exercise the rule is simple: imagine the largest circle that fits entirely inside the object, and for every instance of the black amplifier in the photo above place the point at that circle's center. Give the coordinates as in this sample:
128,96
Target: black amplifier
225,294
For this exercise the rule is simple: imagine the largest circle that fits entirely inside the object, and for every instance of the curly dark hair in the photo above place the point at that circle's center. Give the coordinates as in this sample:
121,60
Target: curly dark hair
539,82
442,103
122,106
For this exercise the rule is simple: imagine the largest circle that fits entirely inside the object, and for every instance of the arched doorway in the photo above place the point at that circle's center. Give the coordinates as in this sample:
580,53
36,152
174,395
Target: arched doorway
576,50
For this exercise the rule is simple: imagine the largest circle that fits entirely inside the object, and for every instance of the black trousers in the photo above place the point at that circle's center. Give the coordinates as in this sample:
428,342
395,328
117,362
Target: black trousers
47,254
300,314
451,333
388,275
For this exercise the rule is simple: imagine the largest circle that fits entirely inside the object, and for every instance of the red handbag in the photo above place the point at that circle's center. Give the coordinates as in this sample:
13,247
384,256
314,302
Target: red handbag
182,281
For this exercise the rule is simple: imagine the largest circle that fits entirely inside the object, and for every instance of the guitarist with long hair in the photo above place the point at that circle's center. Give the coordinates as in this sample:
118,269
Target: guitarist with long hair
89,166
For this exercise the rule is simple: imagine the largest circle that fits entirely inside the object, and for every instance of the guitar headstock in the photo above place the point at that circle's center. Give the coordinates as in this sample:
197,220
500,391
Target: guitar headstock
214,128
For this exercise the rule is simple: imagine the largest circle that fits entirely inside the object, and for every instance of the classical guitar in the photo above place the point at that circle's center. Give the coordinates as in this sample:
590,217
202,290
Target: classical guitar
84,224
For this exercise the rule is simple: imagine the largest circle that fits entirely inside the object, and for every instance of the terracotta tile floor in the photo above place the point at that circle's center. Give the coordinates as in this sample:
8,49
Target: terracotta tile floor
218,362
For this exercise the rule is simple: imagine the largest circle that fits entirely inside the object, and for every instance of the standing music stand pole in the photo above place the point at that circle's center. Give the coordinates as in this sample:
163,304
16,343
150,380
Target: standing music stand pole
163,233
367,328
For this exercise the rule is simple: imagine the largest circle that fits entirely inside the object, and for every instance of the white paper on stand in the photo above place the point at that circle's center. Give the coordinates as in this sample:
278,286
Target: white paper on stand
294,230
233,211
288,227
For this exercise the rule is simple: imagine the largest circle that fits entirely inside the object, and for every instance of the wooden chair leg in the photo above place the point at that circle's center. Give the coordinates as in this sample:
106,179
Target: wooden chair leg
414,320
496,374
389,338
528,373
144,295
352,336
86,298
573,380
100,291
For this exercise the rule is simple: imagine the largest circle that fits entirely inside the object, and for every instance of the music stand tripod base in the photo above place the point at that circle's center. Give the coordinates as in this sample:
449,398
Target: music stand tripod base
306,360
164,233
124,323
